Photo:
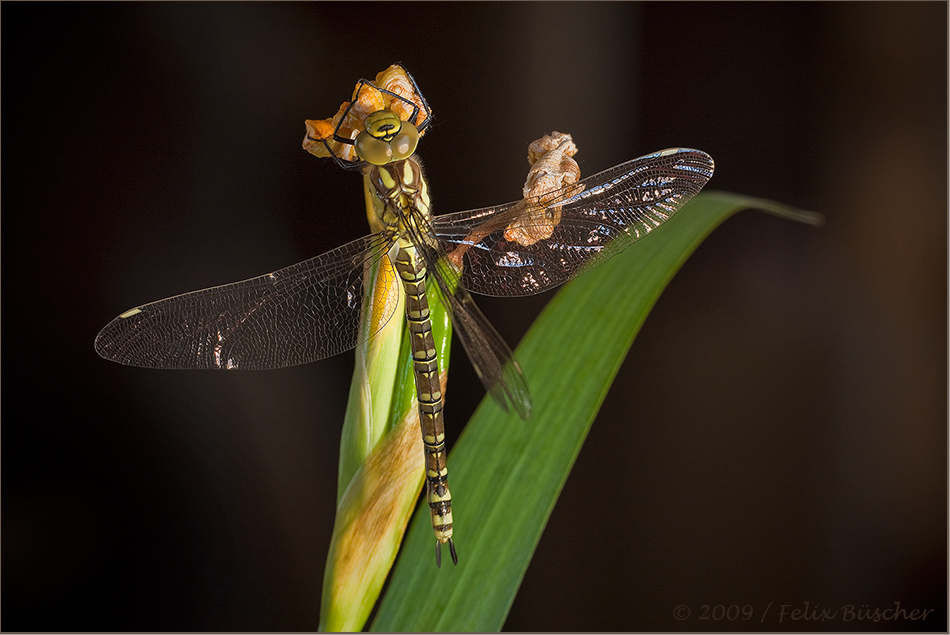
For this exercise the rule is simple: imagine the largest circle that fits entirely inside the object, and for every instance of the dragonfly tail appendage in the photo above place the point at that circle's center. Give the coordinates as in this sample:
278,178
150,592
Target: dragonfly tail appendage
438,553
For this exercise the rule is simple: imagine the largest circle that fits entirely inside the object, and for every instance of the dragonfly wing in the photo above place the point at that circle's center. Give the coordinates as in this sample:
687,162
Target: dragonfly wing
583,224
295,315
491,357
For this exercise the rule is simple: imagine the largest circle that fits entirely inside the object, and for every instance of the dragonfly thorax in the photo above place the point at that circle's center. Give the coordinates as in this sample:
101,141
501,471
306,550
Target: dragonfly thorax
397,197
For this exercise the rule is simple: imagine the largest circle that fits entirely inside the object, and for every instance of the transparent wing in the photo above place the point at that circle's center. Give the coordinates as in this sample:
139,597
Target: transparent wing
295,315
582,225
491,357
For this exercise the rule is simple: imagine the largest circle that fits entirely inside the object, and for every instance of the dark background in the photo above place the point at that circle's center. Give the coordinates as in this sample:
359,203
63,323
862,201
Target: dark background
777,434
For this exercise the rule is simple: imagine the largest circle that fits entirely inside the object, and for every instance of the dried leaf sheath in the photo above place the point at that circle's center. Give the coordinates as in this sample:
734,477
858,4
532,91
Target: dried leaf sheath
370,523
381,489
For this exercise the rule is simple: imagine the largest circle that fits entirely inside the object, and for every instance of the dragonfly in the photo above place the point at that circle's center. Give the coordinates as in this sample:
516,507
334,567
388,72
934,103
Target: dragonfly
314,309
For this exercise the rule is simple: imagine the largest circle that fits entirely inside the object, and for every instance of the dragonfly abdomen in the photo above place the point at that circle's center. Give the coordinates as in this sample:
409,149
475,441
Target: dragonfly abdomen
412,271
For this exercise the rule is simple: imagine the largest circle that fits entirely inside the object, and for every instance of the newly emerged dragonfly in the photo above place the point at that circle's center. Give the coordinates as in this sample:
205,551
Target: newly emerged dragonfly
314,309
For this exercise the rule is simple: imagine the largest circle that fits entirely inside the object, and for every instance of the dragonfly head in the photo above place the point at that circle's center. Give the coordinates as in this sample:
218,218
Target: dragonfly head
386,138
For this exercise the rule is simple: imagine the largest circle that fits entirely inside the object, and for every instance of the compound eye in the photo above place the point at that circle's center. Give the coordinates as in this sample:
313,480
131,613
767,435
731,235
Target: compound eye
405,142
382,124
372,150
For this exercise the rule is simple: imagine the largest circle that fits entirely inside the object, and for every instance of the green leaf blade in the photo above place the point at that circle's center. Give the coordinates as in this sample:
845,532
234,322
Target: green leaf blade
506,474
